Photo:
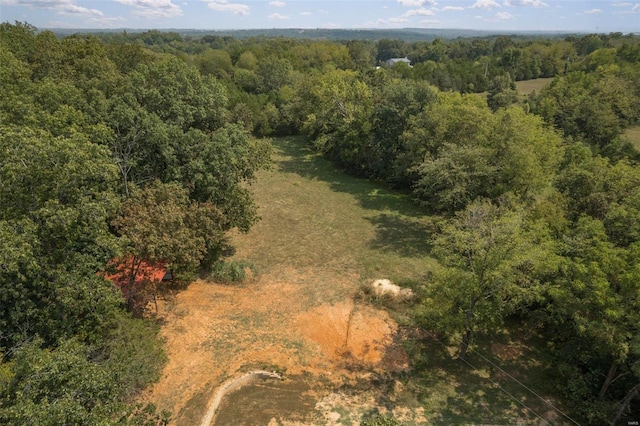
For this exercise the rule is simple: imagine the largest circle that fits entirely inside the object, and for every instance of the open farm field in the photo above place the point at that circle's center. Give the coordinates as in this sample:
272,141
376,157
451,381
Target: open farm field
526,87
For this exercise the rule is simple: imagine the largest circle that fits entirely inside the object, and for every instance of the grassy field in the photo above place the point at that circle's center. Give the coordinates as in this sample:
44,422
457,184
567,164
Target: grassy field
315,216
632,134
526,87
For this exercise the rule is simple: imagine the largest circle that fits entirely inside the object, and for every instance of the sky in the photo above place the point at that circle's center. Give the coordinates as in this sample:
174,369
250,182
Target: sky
513,15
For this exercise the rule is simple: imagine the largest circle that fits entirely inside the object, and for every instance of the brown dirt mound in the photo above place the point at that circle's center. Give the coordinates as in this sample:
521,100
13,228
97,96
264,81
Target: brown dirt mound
348,332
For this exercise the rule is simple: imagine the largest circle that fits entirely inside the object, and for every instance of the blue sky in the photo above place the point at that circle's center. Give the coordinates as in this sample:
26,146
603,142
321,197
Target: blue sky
545,15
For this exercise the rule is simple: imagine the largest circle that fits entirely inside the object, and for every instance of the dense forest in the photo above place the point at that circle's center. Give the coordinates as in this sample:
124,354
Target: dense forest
139,147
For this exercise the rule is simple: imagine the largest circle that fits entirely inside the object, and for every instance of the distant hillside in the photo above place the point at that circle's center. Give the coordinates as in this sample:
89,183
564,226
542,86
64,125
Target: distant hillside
406,34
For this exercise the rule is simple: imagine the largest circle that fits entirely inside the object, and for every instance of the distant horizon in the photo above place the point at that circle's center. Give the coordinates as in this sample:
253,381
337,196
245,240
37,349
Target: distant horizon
373,29
547,16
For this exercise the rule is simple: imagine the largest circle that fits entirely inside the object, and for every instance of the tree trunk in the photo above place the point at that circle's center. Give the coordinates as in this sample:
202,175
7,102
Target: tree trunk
625,403
466,338
609,379
155,297
465,345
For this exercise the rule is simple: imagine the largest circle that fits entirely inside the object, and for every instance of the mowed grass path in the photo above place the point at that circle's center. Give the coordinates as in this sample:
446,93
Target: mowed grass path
315,216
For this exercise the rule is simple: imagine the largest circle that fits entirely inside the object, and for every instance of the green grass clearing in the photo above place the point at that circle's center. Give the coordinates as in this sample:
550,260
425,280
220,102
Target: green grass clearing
314,216
484,390
527,87
632,135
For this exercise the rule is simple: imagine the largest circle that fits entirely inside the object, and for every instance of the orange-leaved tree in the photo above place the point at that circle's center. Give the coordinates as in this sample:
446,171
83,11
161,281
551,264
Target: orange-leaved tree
162,228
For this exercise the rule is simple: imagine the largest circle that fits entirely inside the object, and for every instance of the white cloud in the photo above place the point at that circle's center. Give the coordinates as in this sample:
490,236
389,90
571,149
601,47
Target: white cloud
485,4
419,12
278,17
61,7
636,8
429,21
416,3
105,22
529,3
386,23
452,8
503,16
73,9
153,8
306,13
277,3
593,11
225,6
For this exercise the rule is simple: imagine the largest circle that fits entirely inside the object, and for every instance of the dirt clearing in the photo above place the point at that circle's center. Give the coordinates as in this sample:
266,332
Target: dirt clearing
214,332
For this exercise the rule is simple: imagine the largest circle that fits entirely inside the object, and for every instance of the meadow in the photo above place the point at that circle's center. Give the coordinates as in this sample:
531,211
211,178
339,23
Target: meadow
527,87
632,134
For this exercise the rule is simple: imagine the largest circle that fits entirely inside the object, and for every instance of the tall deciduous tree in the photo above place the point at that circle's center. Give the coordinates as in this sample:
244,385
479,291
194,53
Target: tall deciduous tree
490,256
593,311
457,150
338,106
56,197
162,225
502,92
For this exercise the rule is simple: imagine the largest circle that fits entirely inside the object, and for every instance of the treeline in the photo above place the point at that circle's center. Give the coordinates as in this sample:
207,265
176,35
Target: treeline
465,64
136,146
264,75
107,152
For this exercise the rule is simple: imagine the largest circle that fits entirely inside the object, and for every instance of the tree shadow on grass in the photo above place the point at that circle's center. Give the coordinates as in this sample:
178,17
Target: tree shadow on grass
401,235
299,157
483,390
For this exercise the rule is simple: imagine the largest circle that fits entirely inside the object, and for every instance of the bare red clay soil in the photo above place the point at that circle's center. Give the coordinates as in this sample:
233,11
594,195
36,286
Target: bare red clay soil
213,332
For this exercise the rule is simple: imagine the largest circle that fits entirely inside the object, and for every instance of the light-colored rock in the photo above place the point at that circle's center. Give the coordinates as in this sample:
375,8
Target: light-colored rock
333,416
383,287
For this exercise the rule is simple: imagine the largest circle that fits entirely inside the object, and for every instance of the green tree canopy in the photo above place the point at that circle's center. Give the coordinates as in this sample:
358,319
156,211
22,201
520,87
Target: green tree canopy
492,259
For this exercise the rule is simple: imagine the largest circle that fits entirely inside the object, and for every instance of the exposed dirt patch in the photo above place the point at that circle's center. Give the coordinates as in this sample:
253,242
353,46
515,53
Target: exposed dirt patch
213,332
349,333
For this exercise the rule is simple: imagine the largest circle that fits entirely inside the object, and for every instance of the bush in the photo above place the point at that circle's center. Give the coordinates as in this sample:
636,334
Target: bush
380,420
232,272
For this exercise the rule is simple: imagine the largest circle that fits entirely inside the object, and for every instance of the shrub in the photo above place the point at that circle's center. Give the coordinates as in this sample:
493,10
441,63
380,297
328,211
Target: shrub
232,272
